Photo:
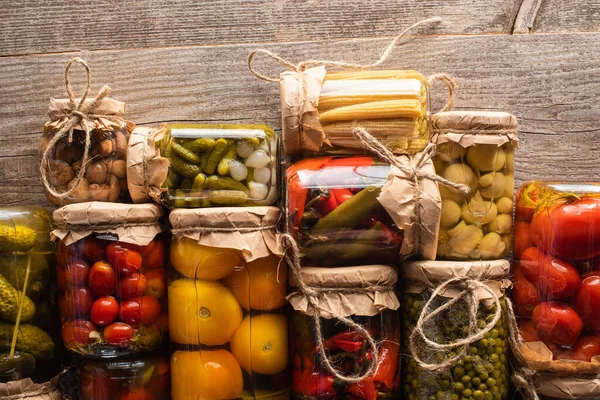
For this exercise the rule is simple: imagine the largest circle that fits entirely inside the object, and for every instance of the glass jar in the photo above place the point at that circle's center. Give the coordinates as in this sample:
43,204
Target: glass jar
320,110
210,165
353,211
145,378
483,371
475,149
555,272
27,265
347,348
227,305
111,278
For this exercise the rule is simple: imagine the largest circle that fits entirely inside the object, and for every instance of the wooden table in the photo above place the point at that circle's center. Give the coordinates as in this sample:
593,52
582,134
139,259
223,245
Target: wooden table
185,60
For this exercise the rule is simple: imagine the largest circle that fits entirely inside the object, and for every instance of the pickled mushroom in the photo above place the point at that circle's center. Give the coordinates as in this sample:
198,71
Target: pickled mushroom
451,213
439,165
492,185
501,224
509,186
507,239
479,211
491,246
504,205
510,159
458,173
486,157
463,238
451,151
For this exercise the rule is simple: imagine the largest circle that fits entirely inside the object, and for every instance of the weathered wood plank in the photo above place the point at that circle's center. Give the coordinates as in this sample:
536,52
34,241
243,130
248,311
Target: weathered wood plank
533,76
38,26
567,16
526,16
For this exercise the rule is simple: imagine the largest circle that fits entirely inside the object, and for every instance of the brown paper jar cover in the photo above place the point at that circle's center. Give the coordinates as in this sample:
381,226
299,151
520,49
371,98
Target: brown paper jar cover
564,387
25,389
354,302
473,127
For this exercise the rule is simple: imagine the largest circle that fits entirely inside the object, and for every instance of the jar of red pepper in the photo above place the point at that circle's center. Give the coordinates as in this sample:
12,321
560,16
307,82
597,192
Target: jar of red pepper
111,278
367,297
556,283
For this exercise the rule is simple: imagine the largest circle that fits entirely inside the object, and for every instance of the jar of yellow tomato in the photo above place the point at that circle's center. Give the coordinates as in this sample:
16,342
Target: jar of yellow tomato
227,296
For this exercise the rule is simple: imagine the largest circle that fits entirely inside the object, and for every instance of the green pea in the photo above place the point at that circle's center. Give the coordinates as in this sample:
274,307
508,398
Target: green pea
458,386
467,393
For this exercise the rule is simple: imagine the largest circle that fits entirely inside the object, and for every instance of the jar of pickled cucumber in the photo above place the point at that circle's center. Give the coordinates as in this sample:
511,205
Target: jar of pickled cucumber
479,369
367,296
227,319
355,210
111,278
321,108
143,378
475,149
208,165
28,326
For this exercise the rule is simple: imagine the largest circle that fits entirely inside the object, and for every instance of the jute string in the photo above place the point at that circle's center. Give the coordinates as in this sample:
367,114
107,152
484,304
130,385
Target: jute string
313,295
339,64
469,287
450,85
81,112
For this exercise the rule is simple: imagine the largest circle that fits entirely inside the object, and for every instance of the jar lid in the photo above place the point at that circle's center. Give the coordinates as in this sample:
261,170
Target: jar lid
480,121
431,272
224,217
360,276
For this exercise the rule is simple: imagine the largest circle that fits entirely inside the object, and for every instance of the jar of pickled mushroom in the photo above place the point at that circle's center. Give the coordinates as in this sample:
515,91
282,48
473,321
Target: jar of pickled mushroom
445,358
356,210
227,317
111,278
476,149
143,378
27,296
556,283
321,108
83,149
209,165
366,296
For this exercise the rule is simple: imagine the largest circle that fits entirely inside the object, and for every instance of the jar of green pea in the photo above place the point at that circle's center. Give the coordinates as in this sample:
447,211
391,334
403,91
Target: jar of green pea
454,330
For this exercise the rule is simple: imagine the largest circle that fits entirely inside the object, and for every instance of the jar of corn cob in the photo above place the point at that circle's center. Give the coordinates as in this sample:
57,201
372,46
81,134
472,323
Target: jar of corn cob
321,109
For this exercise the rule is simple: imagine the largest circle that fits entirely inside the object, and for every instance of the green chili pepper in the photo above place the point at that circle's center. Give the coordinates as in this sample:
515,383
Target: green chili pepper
215,156
185,154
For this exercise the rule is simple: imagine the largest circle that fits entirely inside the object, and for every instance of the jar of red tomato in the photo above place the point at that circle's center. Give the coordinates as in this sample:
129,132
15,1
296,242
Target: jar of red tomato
111,278
366,295
556,272
145,378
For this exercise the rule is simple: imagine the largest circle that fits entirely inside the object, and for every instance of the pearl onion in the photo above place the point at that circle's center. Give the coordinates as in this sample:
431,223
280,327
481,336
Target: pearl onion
258,159
258,191
262,175
244,149
237,170
264,145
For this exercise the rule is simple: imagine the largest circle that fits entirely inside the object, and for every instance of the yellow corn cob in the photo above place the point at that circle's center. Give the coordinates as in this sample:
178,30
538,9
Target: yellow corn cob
327,103
389,74
391,126
374,110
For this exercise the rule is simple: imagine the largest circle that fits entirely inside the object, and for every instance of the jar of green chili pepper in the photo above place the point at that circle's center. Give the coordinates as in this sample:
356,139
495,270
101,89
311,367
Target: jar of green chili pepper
454,330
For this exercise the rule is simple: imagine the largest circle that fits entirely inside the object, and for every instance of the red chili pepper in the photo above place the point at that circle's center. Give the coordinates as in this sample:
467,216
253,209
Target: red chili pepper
350,336
313,384
364,389
348,346
391,235
341,194
387,363
327,203
356,161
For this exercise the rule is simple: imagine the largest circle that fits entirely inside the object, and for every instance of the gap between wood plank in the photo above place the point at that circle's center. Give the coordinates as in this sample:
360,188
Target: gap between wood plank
526,16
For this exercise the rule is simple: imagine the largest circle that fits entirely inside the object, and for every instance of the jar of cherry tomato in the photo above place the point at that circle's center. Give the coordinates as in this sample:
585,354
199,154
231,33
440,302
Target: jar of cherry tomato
145,378
111,278
227,318
478,369
366,295
556,290
475,149
347,211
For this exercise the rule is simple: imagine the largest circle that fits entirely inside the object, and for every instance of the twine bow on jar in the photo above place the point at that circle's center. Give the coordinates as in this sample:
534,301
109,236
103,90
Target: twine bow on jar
80,113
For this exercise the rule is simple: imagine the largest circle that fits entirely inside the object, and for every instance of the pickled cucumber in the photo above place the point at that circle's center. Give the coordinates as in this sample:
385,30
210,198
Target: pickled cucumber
17,238
187,155
183,168
20,366
200,145
225,182
9,303
14,270
30,339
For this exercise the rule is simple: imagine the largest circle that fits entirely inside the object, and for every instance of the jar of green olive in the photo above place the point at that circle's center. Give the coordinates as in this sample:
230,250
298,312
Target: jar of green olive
475,149
454,330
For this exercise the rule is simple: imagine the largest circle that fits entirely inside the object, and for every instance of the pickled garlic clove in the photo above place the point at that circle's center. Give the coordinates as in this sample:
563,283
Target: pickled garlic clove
258,159
237,170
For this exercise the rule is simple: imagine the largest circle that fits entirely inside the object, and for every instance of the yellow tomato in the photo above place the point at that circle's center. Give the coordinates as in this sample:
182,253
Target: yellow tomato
202,312
204,262
205,374
261,285
260,344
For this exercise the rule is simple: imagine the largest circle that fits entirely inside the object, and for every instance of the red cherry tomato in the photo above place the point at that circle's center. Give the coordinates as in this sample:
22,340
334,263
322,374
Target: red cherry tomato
78,331
92,249
156,283
102,279
554,278
98,387
130,312
570,230
557,323
138,393
154,254
587,300
132,286
522,240
104,310
150,309
124,260
63,254
586,348
525,202
81,301
117,333
525,295
74,275
527,331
